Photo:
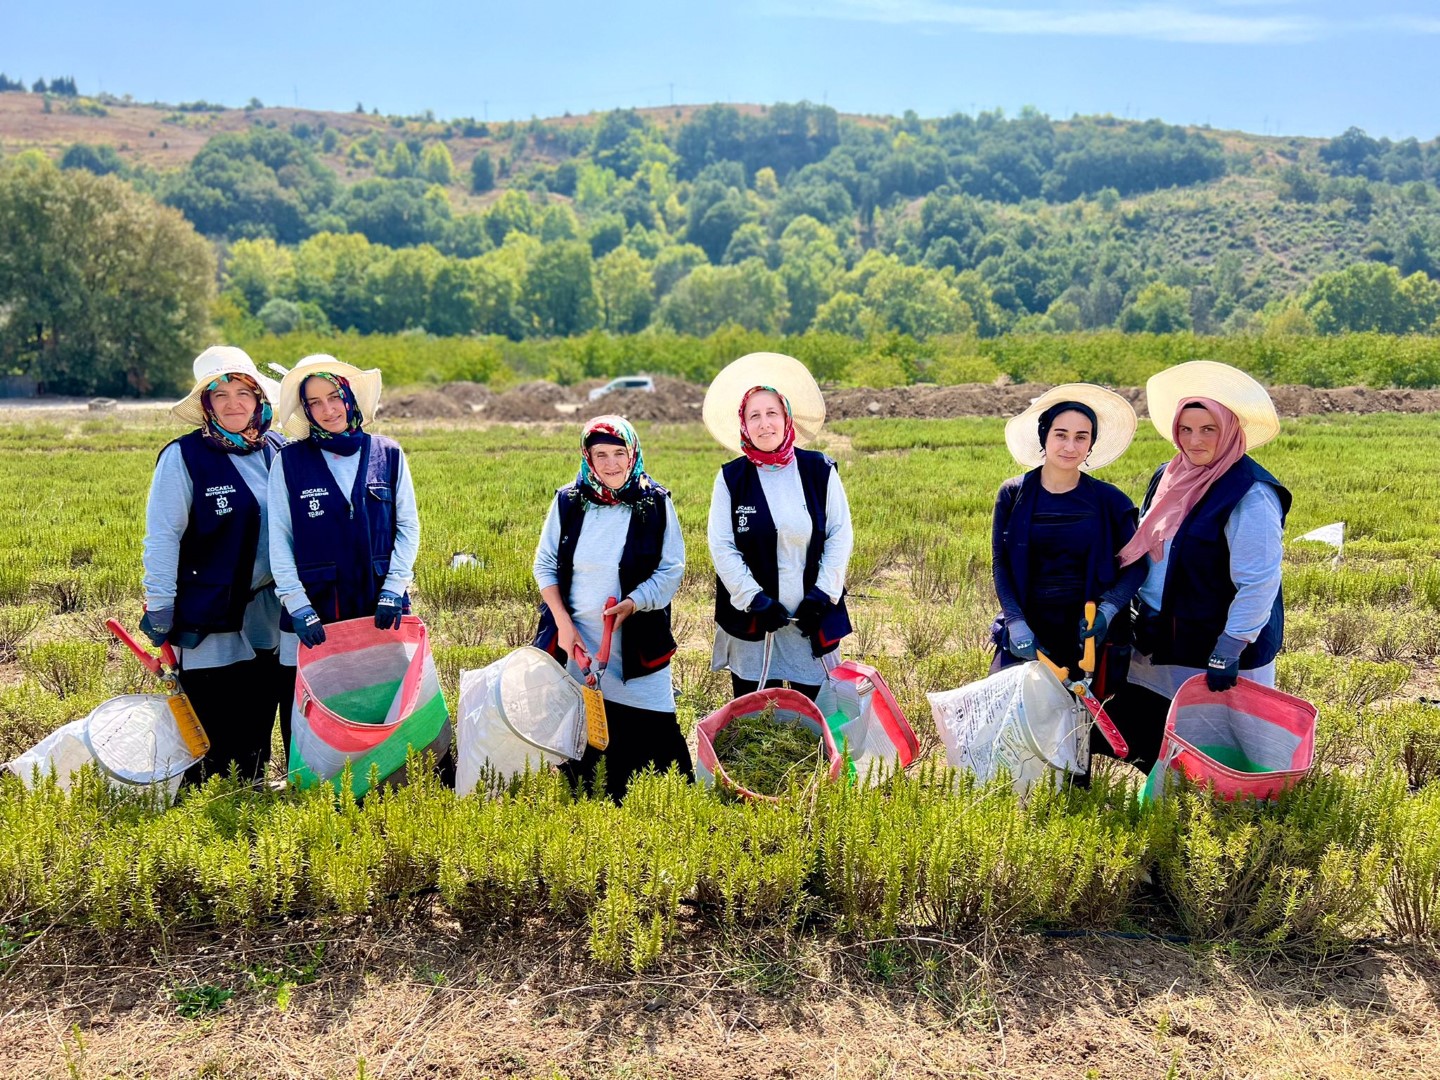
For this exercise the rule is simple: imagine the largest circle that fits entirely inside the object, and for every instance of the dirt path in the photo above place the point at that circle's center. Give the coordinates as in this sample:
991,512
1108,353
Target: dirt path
426,998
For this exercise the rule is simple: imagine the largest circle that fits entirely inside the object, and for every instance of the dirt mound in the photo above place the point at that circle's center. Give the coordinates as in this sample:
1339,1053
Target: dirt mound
678,401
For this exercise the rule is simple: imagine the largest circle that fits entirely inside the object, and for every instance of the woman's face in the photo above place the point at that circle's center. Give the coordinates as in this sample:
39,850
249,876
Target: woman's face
233,405
611,463
765,420
1197,435
326,404
1069,441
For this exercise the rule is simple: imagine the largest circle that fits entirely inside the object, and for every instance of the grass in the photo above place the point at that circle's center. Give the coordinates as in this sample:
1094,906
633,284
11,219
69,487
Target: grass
1349,855
764,756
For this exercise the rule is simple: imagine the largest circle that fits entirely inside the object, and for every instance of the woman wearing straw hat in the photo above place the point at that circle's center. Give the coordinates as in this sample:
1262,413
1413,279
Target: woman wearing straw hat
1210,543
208,587
612,533
344,529
1057,529
779,531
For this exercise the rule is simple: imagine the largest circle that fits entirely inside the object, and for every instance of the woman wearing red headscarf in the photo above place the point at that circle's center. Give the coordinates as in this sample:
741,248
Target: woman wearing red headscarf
1210,532
779,531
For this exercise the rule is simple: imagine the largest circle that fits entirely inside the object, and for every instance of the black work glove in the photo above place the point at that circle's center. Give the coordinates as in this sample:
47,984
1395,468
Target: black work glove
387,612
811,610
1020,640
769,615
308,627
1223,671
157,625
1097,631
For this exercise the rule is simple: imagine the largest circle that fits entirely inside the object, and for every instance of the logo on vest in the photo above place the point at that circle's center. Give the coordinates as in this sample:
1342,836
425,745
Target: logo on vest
742,520
314,495
219,493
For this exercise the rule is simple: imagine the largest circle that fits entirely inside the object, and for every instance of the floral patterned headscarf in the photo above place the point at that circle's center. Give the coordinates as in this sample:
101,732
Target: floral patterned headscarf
338,442
252,436
783,454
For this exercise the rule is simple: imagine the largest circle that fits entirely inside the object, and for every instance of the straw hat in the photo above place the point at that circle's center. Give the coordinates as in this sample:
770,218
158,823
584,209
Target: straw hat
214,362
785,374
1231,387
1113,415
290,413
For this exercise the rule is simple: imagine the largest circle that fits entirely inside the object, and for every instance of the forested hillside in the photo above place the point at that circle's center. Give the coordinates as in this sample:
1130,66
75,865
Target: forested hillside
784,219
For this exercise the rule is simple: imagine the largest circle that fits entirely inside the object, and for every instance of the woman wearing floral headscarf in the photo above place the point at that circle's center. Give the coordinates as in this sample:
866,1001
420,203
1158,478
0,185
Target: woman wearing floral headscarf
1210,539
779,531
208,589
344,528
612,533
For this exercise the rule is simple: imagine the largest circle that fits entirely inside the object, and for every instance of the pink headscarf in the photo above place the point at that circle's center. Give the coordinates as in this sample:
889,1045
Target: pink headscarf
1184,484
783,454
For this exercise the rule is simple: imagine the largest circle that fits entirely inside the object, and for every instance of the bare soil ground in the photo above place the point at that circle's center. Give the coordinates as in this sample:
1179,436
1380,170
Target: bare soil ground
431,998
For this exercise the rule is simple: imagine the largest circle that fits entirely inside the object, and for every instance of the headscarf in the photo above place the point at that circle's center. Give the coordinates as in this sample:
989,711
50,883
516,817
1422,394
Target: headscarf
1047,419
1183,484
344,442
247,440
783,454
612,431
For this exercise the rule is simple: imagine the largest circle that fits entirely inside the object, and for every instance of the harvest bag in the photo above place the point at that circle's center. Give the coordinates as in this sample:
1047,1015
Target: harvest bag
869,727
1249,741
133,739
522,711
1020,720
367,697
791,707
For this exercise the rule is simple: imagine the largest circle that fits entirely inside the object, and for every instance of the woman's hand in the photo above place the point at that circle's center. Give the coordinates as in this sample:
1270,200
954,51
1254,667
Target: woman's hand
568,639
622,610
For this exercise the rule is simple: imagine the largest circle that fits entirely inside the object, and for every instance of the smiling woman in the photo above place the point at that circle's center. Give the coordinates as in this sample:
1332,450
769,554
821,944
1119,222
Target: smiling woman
613,533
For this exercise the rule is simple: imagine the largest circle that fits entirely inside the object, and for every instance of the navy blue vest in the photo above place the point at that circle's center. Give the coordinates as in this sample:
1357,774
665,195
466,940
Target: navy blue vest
218,548
1198,589
648,643
755,537
342,553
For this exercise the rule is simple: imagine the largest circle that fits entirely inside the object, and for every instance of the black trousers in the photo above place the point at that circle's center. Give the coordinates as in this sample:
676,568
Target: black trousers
285,701
639,738
740,687
236,706
1140,715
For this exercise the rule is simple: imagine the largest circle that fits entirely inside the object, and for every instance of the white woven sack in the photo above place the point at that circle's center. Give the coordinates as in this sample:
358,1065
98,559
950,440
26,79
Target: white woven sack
132,738
524,709
1020,720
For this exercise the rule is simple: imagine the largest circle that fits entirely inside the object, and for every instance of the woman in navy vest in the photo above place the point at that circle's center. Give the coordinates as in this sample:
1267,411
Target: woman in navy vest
344,529
208,589
613,534
1057,529
779,531
1210,542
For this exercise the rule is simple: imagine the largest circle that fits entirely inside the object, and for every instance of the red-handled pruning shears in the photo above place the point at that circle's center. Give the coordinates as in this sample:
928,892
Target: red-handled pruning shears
1081,688
602,659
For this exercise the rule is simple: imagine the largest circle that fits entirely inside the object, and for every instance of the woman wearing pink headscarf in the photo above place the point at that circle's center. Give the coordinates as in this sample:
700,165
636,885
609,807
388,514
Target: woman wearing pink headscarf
1210,531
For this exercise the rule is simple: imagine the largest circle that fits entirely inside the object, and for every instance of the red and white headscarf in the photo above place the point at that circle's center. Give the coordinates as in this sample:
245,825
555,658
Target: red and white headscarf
1183,484
783,454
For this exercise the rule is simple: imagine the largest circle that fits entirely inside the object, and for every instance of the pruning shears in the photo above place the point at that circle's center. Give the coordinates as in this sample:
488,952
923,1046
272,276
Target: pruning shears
1081,688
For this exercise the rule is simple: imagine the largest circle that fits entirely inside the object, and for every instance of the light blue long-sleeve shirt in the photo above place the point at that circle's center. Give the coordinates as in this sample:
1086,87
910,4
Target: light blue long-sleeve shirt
1254,533
595,578
282,535
167,516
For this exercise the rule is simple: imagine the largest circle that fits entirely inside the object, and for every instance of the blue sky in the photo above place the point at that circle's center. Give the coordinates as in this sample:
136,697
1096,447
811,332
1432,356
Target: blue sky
1266,66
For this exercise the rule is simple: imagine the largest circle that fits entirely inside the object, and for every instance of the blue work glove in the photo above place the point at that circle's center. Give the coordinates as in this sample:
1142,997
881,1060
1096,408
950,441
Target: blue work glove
388,612
1223,671
770,615
811,610
1102,624
1019,640
308,627
157,624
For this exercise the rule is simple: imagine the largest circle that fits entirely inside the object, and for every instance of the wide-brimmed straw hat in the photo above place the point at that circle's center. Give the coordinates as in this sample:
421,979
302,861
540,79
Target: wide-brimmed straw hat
210,365
1113,415
290,413
1231,387
783,373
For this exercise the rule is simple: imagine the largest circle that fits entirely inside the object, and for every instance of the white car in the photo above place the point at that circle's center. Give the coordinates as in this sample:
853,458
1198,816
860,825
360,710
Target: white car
626,382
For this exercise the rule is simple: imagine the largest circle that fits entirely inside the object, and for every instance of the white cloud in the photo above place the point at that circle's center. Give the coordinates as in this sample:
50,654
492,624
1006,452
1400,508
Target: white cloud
1154,21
